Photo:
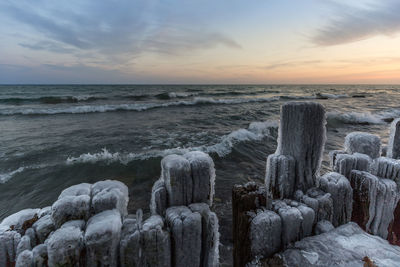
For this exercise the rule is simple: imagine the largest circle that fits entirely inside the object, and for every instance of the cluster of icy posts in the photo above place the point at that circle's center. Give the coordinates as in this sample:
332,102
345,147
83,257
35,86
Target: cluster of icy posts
296,202
89,224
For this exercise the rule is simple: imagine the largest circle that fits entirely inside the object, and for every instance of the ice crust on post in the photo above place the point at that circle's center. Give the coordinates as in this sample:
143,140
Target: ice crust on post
209,235
320,201
184,180
88,225
183,195
345,163
374,202
176,174
65,247
107,195
203,175
393,149
265,233
302,135
342,196
387,168
159,198
186,234
280,176
102,237
294,227
146,244
365,143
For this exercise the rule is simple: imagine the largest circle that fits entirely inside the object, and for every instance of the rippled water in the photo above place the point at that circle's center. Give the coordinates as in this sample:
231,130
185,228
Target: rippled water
55,136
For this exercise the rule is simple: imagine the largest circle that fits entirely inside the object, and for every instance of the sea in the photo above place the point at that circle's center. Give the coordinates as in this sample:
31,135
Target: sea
55,136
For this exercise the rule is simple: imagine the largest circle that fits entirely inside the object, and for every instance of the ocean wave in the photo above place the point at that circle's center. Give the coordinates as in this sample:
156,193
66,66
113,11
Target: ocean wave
330,96
171,95
4,177
365,118
255,132
354,118
132,107
48,100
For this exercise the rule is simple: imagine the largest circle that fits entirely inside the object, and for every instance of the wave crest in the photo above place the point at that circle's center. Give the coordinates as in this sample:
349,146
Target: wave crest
4,177
255,132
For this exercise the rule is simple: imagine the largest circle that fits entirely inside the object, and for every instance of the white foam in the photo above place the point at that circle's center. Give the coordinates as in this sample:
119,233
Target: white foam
255,132
356,117
179,95
132,107
4,177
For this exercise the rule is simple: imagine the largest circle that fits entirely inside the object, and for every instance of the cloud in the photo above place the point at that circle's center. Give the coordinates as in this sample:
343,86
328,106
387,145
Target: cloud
359,23
289,64
118,30
48,46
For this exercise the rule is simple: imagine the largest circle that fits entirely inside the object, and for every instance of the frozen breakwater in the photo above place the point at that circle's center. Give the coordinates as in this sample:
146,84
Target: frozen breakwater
297,217
89,224
290,220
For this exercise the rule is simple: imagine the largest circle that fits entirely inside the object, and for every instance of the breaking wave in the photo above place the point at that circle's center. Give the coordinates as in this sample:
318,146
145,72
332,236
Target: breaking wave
48,100
146,106
132,107
4,177
362,117
255,132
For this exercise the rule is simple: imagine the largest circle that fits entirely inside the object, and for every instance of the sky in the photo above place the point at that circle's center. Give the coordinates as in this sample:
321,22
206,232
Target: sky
200,41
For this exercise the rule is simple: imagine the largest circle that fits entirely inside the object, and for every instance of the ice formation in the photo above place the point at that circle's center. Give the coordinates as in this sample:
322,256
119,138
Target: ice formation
345,163
323,227
176,174
280,177
374,202
70,208
320,201
342,196
345,246
102,235
364,143
393,149
209,234
362,187
185,228
302,135
203,176
88,225
108,195
265,233
387,168
65,247
145,244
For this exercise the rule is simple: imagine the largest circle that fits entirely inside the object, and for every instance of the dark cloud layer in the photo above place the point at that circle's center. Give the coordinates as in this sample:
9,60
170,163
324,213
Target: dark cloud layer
354,24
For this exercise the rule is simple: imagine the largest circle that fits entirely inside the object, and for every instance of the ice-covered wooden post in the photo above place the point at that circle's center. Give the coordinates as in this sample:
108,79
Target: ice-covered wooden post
342,196
245,198
184,180
183,195
364,143
393,150
374,202
297,160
